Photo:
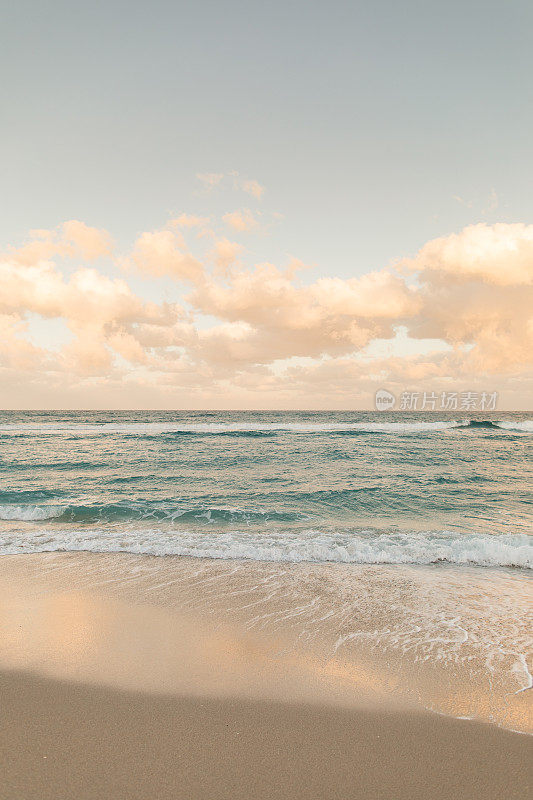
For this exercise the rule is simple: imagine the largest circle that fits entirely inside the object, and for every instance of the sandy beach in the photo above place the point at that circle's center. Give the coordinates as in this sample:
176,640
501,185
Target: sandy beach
139,686
62,741
266,401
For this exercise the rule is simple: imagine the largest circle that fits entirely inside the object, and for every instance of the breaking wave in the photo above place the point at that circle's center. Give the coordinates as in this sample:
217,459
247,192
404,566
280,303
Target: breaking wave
497,550
130,511
512,425
255,429
29,513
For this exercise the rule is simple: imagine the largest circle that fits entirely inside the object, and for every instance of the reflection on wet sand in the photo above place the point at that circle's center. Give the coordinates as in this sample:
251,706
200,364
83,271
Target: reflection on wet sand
217,631
83,637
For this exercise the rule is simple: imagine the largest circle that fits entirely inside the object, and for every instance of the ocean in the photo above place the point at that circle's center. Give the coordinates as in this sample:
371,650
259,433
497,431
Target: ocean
404,537
346,487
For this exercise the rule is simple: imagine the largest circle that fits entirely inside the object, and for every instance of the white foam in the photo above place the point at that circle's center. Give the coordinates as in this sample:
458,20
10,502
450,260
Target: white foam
148,428
505,550
154,428
511,425
29,513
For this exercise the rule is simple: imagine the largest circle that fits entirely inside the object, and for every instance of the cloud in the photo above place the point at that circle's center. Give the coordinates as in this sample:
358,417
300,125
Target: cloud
210,179
253,188
494,322
261,330
90,243
16,352
101,313
73,239
87,354
163,252
241,221
500,253
475,290
87,295
284,319
225,253
189,221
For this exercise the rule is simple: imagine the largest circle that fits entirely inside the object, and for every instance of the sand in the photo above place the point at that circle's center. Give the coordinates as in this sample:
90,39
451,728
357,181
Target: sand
103,696
64,741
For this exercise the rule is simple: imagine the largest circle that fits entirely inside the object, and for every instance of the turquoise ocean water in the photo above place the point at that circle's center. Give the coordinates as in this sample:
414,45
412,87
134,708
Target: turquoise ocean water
352,487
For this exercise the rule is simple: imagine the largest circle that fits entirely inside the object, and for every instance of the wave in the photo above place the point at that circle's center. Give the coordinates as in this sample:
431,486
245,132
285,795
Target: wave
256,428
496,550
29,513
525,426
512,425
117,512
16,497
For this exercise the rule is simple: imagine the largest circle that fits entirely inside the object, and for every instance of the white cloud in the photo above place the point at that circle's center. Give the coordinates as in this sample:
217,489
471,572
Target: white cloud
500,253
268,332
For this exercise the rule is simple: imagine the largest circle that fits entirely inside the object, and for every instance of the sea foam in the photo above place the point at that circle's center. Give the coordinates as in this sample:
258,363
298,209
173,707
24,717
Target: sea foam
214,428
29,513
498,550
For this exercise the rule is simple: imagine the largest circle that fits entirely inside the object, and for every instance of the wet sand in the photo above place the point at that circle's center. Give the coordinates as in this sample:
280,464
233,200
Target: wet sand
106,695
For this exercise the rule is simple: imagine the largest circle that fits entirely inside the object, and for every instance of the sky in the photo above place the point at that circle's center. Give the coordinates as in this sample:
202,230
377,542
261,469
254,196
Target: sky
250,205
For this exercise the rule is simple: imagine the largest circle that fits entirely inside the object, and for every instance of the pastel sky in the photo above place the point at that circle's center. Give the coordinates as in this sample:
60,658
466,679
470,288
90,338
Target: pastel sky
251,205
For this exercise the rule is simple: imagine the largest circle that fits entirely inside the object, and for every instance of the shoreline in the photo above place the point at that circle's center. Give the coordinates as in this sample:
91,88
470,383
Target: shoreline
132,677
411,636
